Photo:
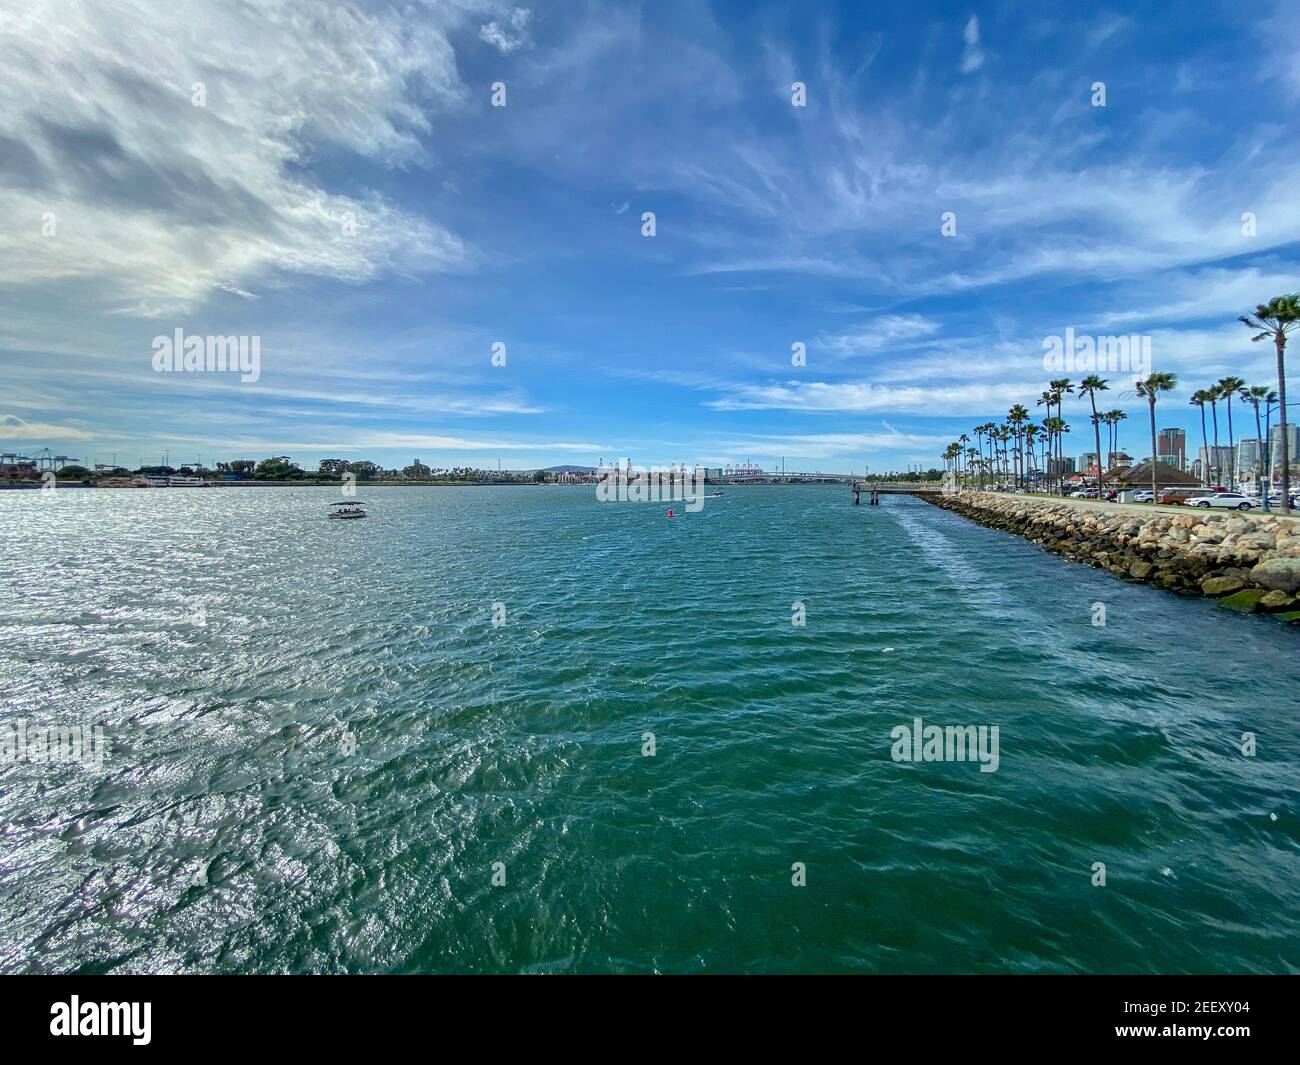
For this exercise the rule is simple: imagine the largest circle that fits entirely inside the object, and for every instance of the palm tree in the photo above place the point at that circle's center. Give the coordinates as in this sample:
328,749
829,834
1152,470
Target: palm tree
1090,386
1275,319
1151,388
1213,395
964,440
1229,387
1031,434
1057,428
987,432
1046,426
1112,419
1254,396
1017,416
1060,387
1199,399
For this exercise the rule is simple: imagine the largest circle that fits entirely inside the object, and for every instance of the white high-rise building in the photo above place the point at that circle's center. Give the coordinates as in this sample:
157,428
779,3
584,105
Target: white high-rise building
1218,462
1275,448
1249,455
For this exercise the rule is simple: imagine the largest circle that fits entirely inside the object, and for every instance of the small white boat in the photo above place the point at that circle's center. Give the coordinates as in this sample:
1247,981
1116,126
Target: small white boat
714,495
347,509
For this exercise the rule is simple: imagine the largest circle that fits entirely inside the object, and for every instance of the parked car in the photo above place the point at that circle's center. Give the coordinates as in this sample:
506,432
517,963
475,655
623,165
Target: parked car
1143,497
1084,493
1231,500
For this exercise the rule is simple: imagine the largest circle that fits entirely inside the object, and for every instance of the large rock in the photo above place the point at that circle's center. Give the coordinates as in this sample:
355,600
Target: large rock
1276,602
1246,600
1217,586
1282,574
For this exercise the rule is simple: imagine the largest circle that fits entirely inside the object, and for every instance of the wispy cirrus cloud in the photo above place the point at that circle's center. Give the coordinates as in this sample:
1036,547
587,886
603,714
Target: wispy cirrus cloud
972,53
13,427
155,152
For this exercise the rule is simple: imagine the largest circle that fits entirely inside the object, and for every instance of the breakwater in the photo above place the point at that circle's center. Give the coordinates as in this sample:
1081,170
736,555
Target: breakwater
1248,561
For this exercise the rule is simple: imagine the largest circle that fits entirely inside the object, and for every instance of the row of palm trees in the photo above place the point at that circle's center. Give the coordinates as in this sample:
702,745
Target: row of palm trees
1020,449
1226,389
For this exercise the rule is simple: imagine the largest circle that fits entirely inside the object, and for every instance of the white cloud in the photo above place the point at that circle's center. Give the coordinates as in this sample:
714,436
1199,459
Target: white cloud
889,332
972,56
861,397
501,38
157,202
13,427
830,445
375,441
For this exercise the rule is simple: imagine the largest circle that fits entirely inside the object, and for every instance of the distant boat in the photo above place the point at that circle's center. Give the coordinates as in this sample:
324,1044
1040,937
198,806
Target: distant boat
187,482
347,509
713,495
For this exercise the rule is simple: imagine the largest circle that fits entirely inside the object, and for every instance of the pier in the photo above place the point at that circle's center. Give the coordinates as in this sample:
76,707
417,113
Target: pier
875,489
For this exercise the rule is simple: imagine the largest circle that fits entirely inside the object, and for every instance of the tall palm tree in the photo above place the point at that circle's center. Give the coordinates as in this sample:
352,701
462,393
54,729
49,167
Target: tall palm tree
1229,387
1213,395
1049,449
964,440
1253,397
1031,435
1060,387
1112,419
991,431
1275,319
1016,417
1151,388
1199,399
1090,386
1056,428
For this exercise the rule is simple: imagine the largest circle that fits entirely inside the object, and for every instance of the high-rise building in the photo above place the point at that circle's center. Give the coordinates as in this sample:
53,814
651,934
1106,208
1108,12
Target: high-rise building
1218,460
1089,458
1171,447
1249,454
1275,447
1062,467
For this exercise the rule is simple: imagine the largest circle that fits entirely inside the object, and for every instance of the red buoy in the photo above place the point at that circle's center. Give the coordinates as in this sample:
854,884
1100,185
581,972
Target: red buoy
670,512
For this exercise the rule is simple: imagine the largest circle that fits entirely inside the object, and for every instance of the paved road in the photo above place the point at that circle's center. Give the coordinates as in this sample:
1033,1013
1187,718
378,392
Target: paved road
1140,508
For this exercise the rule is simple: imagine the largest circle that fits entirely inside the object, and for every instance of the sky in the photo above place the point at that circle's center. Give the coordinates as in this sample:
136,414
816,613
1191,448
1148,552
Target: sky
336,181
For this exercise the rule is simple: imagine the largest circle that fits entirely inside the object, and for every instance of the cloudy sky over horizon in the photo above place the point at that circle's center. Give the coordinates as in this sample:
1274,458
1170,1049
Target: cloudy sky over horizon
334,179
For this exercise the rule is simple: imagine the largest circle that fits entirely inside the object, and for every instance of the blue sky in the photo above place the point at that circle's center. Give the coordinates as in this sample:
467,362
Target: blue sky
522,224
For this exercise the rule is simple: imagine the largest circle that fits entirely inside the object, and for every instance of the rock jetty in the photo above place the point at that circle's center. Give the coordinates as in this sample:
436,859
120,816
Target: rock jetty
1248,561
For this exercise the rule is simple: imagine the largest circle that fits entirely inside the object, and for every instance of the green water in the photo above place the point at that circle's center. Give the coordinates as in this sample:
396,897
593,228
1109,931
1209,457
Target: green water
321,775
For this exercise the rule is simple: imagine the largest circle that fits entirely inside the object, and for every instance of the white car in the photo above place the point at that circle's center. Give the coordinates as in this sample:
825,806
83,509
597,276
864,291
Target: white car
1143,497
1231,500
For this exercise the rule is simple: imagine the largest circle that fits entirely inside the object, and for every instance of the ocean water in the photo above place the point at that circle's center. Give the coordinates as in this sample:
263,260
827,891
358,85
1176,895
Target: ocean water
321,750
